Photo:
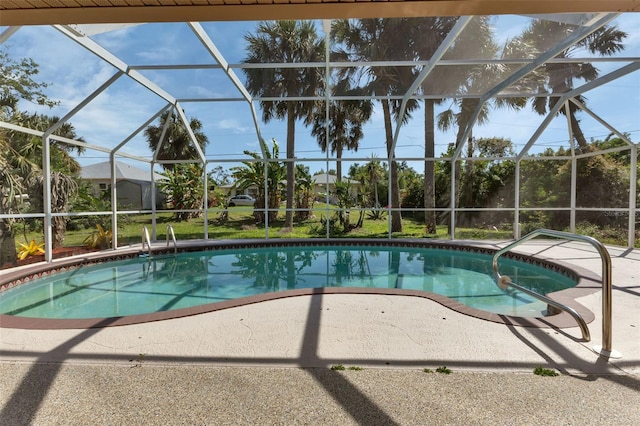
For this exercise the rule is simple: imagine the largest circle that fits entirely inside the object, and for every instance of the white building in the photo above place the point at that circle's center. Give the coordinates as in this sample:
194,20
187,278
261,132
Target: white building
133,185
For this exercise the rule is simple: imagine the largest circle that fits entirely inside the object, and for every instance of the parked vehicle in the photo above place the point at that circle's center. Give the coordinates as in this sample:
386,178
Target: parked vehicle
241,200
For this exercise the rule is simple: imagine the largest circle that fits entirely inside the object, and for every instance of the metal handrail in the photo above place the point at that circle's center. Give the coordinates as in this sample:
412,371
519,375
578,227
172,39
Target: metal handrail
504,281
146,239
170,232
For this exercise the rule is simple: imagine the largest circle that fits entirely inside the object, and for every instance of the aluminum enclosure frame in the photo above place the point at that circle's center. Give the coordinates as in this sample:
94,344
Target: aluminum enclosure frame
176,106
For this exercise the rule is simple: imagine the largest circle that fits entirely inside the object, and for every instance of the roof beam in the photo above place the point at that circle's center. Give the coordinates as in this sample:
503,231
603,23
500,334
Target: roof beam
111,59
219,58
442,62
82,104
575,92
426,70
579,34
139,129
8,33
575,37
584,108
163,134
68,141
187,126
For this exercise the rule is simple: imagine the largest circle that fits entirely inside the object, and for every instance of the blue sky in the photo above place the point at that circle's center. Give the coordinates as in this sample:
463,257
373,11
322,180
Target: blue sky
112,116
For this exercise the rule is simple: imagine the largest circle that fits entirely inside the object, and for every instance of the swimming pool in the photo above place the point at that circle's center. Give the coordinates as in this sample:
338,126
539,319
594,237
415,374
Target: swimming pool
178,282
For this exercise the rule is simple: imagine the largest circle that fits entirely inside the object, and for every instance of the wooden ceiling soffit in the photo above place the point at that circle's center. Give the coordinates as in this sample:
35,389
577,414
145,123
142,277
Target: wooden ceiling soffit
45,12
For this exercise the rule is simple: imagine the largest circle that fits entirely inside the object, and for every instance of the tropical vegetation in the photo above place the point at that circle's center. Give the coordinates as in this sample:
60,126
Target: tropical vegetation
285,42
21,169
257,172
171,140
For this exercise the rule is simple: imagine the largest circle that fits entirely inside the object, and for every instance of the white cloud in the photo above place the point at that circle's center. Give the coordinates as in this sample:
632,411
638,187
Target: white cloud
231,124
160,54
201,91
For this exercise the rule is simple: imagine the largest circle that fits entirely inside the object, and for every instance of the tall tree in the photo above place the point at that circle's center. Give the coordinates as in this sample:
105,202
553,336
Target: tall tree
429,34
560,76
178,144
381,40
285,42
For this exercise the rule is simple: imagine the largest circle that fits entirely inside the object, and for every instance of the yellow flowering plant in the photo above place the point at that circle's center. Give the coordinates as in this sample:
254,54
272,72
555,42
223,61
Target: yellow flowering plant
30,249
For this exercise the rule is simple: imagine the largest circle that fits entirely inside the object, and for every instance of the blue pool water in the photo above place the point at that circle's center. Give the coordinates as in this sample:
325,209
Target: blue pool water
174,281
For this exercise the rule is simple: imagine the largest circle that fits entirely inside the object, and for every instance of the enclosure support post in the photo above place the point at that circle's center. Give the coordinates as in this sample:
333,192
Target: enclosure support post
114,202
574,186
326,26
205,202
633,192
389,206
153,201
516,202
574,169
266,194
46,197
452,202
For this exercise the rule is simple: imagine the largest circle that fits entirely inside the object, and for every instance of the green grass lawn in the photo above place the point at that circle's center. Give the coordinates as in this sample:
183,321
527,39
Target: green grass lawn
241,225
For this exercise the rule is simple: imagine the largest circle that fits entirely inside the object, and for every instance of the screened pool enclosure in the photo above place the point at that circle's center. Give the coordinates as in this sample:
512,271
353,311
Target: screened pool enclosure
501,123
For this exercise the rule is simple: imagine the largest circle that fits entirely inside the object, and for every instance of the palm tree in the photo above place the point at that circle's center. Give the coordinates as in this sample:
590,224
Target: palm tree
178,144
64,168
431,32
252,173
285,42
15,172
373,173
477,79
304,192
560,76
21,154
345,123
381,39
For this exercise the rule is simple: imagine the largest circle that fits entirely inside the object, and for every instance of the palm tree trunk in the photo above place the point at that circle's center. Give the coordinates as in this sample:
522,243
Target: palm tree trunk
457,171
8,254
429,169
339,163
375,191
576,130
396,216
467,197
291,169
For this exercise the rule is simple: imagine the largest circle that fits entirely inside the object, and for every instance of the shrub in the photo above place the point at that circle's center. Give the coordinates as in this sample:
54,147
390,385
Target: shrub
100,238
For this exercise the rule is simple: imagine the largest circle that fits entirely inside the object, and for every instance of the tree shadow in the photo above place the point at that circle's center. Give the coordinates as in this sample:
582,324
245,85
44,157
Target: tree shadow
27,398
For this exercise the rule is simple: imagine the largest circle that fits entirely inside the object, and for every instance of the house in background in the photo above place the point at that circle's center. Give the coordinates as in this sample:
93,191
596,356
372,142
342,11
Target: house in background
231,190
320,182
323,181
133,185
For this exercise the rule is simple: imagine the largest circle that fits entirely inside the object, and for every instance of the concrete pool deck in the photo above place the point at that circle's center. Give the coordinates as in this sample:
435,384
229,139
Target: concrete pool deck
245,354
